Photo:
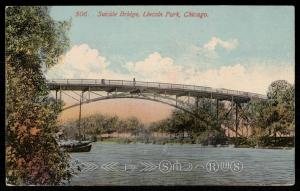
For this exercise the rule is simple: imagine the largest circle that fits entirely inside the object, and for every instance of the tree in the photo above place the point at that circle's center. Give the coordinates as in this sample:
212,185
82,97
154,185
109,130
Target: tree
203,119
282,95
275,115
280,91
134,126
33,41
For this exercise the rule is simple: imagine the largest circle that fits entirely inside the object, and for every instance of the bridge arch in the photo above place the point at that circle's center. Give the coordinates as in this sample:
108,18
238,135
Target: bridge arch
129,97
142,90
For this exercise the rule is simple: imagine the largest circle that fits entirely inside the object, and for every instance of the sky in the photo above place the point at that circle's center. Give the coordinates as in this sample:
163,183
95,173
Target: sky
236,47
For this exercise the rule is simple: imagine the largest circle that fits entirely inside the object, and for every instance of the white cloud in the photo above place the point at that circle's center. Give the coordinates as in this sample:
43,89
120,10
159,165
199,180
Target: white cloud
155,67
214,42
255,78
83,62
209,49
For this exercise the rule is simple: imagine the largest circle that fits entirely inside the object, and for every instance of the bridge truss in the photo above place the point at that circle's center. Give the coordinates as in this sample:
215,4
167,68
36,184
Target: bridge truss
183,97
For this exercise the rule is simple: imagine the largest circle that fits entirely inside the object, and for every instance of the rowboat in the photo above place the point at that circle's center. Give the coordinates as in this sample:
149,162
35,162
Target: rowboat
85,148
75,146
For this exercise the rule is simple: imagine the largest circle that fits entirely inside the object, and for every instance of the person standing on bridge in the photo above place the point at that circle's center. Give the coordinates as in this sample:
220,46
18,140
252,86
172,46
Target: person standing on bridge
134,82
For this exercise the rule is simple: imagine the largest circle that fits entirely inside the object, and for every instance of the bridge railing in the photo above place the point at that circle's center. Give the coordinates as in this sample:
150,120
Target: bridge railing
155,85
158,85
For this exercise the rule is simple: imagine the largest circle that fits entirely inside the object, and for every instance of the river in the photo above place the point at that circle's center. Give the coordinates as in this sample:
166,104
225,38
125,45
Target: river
187,164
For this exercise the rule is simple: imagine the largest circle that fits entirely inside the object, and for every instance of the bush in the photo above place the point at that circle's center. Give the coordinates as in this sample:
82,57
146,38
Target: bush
211,138
239,141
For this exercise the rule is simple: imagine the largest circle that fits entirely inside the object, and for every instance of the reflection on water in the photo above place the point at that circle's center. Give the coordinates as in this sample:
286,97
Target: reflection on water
147,164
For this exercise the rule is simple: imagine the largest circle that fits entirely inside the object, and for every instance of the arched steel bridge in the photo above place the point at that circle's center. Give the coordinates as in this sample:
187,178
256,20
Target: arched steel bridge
181,96
140,87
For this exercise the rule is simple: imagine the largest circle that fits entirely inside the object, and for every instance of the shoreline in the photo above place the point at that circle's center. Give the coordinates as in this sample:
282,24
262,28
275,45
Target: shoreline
206,146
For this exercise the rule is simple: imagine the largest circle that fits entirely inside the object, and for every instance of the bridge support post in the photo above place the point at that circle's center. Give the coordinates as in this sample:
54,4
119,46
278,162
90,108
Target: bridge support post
211,104
59,93
197,106
56,96
236,119
89,94
231,105
79,121
217,111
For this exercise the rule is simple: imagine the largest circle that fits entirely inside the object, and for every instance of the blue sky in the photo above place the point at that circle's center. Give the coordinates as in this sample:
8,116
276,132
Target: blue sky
237,38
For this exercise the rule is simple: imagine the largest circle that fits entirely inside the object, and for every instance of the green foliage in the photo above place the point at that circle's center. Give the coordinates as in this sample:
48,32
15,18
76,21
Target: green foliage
274,116
99,124
32,155
211,138
265,118
197,126
281,92
240,141
33,40
33,37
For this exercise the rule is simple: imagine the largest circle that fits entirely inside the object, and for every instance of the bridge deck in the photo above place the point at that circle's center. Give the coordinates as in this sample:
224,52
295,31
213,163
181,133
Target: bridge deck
152,87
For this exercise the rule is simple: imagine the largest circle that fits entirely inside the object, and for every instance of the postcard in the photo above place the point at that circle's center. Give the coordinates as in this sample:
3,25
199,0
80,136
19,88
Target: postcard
150,95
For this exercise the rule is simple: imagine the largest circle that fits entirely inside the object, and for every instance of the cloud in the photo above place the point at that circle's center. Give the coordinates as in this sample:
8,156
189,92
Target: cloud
80,62
255,78
155,67
214,42
84,62
209,49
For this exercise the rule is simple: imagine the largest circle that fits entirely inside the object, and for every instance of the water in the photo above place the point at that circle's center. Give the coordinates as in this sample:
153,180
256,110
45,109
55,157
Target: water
148,164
